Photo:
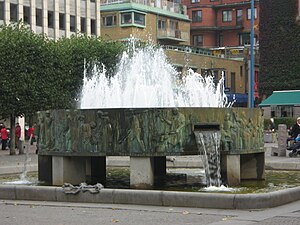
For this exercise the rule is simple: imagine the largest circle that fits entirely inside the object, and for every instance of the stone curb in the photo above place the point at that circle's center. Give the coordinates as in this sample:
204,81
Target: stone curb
151,197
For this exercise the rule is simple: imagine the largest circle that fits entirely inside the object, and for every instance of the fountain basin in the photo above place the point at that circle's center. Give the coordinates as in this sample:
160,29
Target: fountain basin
150,197
73,144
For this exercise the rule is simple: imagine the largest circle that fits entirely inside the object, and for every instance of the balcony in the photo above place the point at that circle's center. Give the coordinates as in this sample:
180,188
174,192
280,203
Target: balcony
237,26
162,4
169,34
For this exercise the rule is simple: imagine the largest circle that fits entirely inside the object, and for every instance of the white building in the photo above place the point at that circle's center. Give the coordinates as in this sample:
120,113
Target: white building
55,18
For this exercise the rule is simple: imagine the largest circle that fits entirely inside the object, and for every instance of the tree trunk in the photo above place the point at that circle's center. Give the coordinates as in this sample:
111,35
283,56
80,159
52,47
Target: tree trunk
12,149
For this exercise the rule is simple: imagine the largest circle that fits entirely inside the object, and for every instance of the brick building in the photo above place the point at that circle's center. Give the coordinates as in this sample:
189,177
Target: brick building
219,23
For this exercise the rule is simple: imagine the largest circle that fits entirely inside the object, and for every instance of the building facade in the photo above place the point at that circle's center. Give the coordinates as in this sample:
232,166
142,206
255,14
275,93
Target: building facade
163,22
219,23
60,18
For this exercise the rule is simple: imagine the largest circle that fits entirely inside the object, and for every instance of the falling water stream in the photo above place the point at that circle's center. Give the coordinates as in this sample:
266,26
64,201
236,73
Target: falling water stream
208,143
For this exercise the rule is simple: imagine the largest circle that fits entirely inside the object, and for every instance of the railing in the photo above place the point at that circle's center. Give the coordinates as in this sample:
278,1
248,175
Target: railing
173,34
189,49
163,4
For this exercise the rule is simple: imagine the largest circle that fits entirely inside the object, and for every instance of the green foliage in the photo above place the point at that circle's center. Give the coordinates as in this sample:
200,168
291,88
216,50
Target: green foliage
38,73
279,46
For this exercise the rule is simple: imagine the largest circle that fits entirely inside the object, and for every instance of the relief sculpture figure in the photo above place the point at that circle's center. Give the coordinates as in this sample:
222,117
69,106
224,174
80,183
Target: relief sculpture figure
48,131
105,132
226,130
67,132
134,139
176,133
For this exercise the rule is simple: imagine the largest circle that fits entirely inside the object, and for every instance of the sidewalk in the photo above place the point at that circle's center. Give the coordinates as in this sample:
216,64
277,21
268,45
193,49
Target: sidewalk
10,164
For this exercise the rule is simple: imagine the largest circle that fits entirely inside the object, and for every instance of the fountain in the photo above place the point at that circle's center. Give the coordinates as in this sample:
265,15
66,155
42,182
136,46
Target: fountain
146,112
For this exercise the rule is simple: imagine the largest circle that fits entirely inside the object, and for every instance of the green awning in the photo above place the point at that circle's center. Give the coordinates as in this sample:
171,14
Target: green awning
282,98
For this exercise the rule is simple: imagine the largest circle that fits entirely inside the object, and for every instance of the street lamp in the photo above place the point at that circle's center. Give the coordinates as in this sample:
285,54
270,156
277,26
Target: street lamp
251,66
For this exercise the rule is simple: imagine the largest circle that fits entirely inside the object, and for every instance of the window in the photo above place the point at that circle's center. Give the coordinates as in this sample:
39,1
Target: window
173,25
39,17
162,24
13,12
93,26
249,13
139,18
50,19
195,1
72,23
109,20
241,71
62,22
126,18
197,16
134,18
198,40
245,39
26,14
83,25
232,82
239,17
281,111
1,10
215,74
227,16
225,78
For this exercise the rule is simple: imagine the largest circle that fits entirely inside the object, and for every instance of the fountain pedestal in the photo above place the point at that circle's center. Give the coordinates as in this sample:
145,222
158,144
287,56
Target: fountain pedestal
73,144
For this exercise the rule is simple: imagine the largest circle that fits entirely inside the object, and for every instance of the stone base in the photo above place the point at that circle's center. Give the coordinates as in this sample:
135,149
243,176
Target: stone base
275,151
141,172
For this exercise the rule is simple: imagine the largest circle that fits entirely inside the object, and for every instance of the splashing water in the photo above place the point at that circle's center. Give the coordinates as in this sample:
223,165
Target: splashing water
145,78
23,176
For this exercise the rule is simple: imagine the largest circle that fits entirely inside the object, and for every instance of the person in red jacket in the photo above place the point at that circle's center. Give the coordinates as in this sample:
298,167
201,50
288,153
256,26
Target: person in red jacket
31,134
4,137
17,134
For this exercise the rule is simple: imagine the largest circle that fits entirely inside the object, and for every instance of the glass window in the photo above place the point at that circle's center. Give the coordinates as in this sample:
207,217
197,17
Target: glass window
195,1
162,24
139,18
227,16
50,19
232,82
249,13
126,18
83,25
239,17
26,14
198,40
13,12
109,20
197,16
93,26
1,10
62,22
72,23
173,25
39,17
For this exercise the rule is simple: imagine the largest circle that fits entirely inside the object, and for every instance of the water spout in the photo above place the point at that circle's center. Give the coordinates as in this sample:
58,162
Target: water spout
145,78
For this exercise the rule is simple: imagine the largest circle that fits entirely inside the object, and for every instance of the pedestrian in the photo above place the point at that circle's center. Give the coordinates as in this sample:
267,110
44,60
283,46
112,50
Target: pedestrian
4,136
17,135
293,133
31,134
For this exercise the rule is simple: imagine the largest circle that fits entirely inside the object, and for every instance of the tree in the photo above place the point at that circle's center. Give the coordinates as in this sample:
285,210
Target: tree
39,74
279,46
